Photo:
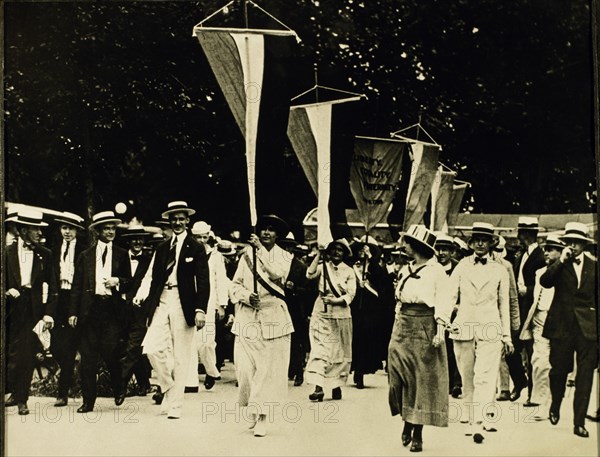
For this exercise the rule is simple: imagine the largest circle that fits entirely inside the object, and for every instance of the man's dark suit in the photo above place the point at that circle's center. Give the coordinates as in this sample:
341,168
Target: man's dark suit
571,326
534,262
100,319
65,339
296,299
132,360
192,278
23,313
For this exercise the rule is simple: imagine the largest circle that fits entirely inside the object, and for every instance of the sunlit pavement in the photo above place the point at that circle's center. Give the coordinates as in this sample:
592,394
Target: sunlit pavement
212,424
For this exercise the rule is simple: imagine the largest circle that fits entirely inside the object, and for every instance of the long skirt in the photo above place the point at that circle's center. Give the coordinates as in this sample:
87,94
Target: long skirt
417,371
330,351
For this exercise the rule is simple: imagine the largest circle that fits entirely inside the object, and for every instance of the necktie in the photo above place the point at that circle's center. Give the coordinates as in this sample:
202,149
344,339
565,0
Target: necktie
481,260
576,261
104,255
65,255
171,258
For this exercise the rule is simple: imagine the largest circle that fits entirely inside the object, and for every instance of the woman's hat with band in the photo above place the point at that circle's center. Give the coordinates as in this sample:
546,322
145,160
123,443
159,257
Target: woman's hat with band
104,217
576,231
421,235
343,243
178,207
26,216
553,241
70,219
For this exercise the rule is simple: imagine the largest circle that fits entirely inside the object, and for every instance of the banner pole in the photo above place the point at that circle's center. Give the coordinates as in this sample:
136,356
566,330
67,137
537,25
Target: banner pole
324,278
254,268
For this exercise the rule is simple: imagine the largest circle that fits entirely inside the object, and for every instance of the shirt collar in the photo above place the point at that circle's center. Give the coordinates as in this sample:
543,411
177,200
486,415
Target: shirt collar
531,248
180,237
23,246
102,245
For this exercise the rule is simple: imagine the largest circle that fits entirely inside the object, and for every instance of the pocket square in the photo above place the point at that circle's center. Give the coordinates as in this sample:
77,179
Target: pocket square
189,259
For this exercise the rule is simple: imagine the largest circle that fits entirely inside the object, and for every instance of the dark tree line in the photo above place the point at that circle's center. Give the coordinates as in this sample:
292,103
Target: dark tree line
115,101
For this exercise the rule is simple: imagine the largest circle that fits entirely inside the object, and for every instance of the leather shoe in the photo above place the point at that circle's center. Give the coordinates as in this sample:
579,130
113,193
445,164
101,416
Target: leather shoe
504,396
336,393
456,392
10,401
61,401
516,393
530,404
317,395
190,389
554,417
299,380
85,408
595,418
417,446
209,382
158,397
406,439
24,410
478,438
579,430
119,399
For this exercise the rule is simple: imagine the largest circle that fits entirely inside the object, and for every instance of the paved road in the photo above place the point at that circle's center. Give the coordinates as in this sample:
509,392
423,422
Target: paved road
211,424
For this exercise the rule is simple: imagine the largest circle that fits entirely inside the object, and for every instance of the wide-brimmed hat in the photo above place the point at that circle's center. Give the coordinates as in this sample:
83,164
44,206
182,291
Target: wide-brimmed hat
421,235
444,241
528,223
156,238
70,219
178,207
374,245
11,214
163,222
135,231
576,231
104,217
554,241
482,229
226,248
200,228
289,242
279,225
30,217
343,243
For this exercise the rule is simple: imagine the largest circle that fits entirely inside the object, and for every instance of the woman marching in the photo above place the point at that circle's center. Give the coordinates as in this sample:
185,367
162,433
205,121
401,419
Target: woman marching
417,363
330,328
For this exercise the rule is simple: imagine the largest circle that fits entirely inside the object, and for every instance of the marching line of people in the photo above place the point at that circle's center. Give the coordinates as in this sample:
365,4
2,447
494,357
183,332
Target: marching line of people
441,316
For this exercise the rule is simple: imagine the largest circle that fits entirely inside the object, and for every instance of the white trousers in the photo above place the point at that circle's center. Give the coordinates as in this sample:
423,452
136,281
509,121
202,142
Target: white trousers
203,351
478,362
540,364
168,344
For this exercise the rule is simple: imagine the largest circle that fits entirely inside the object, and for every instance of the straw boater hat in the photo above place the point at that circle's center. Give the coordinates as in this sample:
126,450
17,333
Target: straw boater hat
200,228
156,238
70,219
576,231
30,217
482,229
278,224
554,241
135,231
178,207
528,224
444,241
11,214
226,248
163,222
104,217
421,235
343,243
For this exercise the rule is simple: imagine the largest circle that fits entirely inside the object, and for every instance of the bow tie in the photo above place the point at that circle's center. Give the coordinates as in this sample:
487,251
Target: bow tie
27,247
576,261
136,258
481,260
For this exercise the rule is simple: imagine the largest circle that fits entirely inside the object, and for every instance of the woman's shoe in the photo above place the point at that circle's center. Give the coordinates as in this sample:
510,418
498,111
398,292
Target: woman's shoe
260,428
406,439
417,446
336,393
317,395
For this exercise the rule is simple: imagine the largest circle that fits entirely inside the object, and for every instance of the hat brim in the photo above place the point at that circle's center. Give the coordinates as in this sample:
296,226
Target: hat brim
280,226
346,248
444,244
565,238
112,220
70,223
135,235
375,249
31,224
188,211
425,245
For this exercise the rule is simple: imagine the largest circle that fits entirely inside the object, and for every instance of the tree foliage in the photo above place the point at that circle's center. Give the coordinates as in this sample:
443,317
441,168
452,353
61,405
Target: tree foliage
114,101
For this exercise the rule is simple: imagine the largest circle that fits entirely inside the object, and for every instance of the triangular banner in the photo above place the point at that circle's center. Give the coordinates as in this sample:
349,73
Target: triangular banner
423,171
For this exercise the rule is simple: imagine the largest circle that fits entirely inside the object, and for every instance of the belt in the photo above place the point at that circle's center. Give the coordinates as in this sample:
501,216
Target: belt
170,286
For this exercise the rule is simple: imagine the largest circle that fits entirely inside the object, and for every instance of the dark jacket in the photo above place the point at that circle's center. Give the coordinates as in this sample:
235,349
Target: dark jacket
60,309
534,262
192,278
571,304
84,282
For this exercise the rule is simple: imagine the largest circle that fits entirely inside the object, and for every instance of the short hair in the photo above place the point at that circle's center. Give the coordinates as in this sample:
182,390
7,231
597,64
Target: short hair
420,248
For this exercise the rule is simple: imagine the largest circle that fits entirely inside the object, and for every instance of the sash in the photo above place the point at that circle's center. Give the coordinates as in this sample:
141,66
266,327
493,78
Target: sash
334,291
368,284
271,288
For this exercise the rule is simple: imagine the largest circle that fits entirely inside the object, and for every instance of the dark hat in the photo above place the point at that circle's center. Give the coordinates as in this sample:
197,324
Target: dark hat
270,220
343,243
27,216
554,241
178,207
421,235
528,223
289,242
70,219
358,243
104,217
576,231
135,231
